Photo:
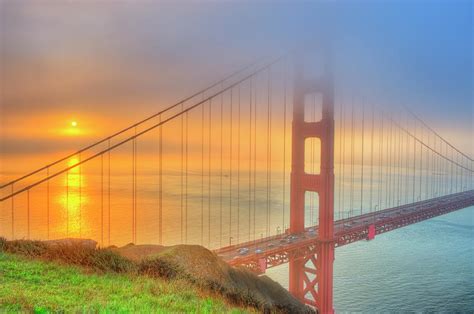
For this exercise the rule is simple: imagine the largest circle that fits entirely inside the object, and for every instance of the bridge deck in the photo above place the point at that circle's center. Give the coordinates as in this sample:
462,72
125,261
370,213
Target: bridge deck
272,251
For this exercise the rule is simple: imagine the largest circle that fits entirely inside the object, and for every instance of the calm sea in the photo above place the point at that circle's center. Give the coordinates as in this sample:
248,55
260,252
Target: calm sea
426,267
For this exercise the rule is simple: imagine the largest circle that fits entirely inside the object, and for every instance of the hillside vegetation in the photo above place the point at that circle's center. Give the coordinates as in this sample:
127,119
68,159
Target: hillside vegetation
72,277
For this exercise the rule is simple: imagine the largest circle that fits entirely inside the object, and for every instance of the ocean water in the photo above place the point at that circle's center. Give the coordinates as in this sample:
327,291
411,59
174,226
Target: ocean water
425,267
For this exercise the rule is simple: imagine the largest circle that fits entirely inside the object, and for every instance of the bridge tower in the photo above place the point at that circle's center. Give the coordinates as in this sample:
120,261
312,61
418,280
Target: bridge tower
311,277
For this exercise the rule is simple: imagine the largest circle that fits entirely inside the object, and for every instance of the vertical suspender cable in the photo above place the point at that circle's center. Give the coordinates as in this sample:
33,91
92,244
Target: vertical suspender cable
362,162
352,161
230,168
421,163
28,212
407,166
343,155
202,174
389,151
284,142
13,212
380,164
108,202
47,203
250,159
80,197
414,161
182,176
398,161
269,151
102,199
186,179
133,189
221,166
311,195
136,190
209,176
238,165
160,184
341,162
67,203
452,173
255,161
371,159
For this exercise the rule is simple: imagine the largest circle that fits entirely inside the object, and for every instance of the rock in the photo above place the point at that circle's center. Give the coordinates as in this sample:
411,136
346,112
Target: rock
86,243
138,252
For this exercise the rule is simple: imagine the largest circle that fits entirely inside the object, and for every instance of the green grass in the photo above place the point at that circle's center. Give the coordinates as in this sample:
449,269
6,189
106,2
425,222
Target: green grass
40,286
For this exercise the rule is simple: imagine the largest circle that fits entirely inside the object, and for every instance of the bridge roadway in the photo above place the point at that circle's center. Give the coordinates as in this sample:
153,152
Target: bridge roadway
275,250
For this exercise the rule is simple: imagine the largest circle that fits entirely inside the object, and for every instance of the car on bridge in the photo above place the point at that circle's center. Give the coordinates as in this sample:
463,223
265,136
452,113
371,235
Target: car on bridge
243,251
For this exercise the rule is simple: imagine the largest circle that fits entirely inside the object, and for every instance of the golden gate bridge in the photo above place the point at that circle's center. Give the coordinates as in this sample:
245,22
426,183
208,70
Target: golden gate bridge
266,166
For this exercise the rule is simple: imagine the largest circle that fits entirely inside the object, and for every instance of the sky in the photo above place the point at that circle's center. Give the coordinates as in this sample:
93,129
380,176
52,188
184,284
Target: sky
108,64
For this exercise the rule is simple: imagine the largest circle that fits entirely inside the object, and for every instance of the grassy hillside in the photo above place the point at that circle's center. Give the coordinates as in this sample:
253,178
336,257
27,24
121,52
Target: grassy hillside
43,286
70,275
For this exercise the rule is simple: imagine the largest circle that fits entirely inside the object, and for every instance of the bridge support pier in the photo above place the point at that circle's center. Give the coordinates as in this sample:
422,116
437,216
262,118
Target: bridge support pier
311,277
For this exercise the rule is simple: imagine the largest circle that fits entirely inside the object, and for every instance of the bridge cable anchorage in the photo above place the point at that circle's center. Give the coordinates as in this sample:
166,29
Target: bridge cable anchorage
186,99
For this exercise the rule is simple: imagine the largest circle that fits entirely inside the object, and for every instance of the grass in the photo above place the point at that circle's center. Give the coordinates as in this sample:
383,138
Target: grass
182,278
42,286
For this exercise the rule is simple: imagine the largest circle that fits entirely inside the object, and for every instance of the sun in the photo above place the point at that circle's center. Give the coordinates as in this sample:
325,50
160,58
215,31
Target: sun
74,124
